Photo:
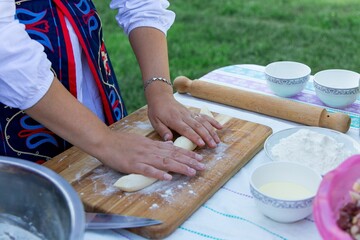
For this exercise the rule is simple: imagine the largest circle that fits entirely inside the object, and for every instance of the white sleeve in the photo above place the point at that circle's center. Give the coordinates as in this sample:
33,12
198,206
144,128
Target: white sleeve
143,13
25,71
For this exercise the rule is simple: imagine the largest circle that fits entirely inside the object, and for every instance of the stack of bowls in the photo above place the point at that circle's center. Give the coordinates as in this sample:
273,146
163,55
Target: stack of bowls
337,88
287,78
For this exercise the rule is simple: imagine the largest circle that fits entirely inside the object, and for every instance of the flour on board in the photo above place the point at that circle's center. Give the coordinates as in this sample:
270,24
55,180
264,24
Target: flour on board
104,177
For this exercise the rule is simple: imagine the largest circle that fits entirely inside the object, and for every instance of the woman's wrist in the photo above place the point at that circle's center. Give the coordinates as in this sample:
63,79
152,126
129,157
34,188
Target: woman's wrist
158,91
154,79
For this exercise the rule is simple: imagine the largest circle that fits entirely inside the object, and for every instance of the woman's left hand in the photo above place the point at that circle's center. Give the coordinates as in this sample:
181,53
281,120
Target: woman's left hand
166,114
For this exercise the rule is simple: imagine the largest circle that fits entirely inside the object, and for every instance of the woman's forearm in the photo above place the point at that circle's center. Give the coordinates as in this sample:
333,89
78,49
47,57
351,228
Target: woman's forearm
59,111
62,113
150,47
165,113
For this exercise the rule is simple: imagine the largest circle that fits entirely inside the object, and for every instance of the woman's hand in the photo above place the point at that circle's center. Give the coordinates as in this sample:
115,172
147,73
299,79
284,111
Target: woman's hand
166,114
59,111
131,153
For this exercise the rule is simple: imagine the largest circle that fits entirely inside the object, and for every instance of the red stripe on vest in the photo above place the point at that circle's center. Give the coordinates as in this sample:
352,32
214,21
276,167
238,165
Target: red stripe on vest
107,108
70,56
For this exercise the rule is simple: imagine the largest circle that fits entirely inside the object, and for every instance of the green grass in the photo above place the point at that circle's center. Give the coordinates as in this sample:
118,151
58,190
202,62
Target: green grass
211,34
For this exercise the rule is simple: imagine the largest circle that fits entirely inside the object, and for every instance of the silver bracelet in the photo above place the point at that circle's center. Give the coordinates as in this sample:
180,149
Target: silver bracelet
151,80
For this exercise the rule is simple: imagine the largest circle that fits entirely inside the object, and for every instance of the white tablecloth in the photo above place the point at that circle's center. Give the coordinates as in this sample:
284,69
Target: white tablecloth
231,212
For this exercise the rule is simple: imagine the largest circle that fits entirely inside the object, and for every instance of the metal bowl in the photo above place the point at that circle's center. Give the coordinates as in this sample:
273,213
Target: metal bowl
37,203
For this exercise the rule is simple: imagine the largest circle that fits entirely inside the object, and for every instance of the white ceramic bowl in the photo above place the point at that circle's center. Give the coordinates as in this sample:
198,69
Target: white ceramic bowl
337,88
290,208
349,147
286,78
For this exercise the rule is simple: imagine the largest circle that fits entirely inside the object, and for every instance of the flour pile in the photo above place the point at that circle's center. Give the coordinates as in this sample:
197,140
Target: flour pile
315,150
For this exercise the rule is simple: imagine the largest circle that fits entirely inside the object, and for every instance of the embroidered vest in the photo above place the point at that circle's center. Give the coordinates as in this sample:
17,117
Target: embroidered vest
23,137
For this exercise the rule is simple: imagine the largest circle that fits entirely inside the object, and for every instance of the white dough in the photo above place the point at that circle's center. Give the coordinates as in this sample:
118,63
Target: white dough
222,119
135,182
185,143
204,110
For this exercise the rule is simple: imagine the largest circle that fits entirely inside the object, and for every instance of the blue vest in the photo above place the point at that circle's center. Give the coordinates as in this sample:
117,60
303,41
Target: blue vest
20,135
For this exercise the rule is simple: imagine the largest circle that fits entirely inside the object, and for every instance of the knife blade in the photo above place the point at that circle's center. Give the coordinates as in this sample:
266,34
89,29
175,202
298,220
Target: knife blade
113,221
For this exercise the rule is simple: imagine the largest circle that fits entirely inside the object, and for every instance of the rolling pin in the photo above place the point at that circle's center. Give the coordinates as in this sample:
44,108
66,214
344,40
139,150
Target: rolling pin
264,104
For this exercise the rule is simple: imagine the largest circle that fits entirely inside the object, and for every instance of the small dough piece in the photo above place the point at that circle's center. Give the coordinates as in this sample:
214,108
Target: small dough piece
184,143
136,182
204,110
222,119
133,182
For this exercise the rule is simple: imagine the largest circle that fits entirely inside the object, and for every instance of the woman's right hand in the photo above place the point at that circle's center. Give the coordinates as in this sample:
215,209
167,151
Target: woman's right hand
132,153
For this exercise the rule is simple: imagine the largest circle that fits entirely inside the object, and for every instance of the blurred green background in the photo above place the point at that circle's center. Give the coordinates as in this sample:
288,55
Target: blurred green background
211,34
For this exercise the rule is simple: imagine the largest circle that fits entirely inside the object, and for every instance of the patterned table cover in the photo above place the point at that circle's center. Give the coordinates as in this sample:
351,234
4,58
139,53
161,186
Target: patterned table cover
252,77
231,212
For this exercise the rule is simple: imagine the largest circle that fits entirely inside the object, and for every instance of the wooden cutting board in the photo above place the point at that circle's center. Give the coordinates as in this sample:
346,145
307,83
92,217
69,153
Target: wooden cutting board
171,202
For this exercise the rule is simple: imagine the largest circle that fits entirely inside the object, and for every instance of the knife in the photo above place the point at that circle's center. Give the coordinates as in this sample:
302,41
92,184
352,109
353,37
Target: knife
113,221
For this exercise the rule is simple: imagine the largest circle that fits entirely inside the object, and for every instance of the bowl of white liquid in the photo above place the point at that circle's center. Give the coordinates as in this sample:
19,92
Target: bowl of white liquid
284,191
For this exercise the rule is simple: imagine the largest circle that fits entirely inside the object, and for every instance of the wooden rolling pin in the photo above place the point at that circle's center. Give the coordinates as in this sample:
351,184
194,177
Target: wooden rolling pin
264,104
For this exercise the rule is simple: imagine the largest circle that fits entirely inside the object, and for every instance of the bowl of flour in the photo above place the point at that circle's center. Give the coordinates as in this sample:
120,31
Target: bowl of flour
319,148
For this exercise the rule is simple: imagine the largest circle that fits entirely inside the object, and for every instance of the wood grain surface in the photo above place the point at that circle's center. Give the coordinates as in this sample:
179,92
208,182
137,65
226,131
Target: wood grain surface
274,106
171,202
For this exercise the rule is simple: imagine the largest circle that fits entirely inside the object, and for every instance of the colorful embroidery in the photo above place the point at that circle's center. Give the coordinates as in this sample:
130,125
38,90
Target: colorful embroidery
22,136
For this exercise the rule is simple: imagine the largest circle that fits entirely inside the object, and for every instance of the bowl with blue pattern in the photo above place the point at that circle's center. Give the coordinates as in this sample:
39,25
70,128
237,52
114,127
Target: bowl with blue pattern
337,88
284,191
287,78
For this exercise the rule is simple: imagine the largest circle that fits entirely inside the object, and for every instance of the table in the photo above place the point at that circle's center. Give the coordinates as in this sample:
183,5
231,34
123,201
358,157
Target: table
231,212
